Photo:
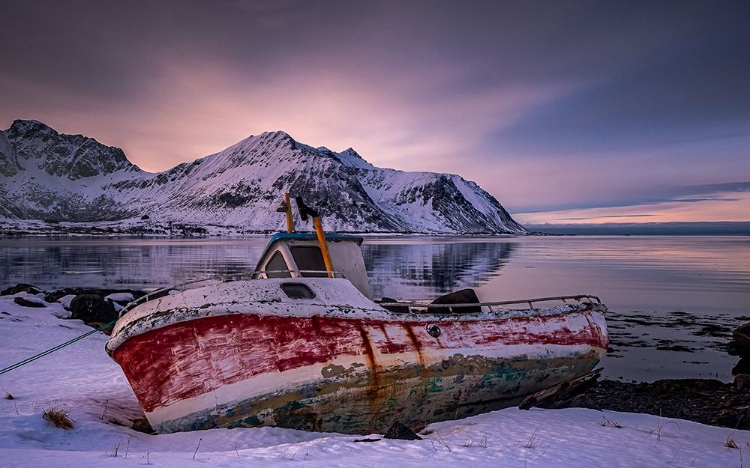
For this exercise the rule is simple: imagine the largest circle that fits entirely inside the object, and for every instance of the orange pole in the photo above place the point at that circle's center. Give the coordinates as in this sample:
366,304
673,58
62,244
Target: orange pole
323,245
288,212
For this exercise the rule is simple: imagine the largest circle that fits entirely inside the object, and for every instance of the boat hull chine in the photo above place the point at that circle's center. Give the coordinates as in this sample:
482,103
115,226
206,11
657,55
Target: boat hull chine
351,406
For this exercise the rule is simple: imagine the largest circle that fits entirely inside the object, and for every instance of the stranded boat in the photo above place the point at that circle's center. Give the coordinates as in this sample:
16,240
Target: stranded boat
302,344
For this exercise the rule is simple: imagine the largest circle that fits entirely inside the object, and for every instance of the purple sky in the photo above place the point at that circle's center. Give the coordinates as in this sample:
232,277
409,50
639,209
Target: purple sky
565,111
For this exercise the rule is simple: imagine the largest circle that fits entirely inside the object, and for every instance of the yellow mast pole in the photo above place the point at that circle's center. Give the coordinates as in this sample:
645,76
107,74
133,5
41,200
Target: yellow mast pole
306,211
288,212
323,245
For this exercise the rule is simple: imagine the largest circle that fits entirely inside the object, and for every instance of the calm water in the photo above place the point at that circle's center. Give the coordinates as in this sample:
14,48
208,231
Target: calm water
673,300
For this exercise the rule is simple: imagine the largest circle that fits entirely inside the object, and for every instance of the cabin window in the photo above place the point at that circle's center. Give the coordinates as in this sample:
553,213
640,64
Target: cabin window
297,291
309,260
277,267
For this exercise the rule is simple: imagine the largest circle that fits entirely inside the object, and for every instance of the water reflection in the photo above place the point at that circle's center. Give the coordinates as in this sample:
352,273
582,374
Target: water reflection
129,263
409,267
422,269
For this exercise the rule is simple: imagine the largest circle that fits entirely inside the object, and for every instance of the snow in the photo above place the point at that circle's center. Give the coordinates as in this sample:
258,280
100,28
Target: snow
121,297
83,381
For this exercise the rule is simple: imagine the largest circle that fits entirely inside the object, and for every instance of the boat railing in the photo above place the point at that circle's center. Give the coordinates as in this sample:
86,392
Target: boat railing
265,274
426,306
165,291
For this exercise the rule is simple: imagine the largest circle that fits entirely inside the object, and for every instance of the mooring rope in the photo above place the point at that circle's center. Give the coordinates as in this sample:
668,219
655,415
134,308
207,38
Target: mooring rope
56,348
103,327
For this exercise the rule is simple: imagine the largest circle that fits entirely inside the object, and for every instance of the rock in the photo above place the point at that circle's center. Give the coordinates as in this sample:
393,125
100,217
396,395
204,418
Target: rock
56,295
120,296
740,344
27,303
705,401
742,367
20,288
742,382
92,308
733,417
464,296
142,425
401,432
735,349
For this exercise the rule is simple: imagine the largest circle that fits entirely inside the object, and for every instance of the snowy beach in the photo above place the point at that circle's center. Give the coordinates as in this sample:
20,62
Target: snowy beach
82,381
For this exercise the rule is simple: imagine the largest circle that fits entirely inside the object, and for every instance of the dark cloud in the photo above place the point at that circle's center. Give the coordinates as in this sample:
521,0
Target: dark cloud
692,78
534,93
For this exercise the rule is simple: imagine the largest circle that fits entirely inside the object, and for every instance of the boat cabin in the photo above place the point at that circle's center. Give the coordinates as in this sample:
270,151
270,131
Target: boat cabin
298,255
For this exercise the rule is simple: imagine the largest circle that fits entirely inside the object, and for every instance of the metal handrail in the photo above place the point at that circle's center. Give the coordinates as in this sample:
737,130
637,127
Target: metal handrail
300,274
424,305
223,279
163,291
411,306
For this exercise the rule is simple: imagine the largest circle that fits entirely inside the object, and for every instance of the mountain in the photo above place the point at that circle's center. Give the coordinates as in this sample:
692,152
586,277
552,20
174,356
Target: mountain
47,175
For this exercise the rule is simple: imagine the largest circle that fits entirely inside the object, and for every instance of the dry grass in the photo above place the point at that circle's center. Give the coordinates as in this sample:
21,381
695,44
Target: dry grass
660,426
58,417
731,443
470,443
534,438
609,423
439,440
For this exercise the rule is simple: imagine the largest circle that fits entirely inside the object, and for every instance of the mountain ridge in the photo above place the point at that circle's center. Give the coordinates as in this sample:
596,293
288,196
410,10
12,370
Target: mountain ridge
48,175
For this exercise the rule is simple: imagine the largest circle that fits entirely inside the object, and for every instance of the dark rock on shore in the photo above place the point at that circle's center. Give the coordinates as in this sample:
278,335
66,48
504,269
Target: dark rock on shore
401,432
92,308
20,288
705,401
740,344
57,294
27,303
90,305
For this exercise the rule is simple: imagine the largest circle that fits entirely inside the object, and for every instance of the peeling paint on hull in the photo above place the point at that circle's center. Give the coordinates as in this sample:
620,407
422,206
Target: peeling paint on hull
352,369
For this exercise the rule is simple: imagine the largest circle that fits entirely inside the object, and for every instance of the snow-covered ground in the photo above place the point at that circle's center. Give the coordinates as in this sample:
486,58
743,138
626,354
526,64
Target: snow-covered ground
81,380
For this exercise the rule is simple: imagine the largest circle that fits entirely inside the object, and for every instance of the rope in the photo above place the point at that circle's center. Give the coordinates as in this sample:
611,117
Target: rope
56,348
103,327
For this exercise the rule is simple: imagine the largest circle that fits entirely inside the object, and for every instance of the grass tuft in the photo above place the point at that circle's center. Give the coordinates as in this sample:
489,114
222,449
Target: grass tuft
660,426
731,443
534,438
608,422
58,417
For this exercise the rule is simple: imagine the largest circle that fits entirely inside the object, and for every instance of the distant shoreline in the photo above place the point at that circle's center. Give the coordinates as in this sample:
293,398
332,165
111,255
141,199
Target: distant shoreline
17,228
728,228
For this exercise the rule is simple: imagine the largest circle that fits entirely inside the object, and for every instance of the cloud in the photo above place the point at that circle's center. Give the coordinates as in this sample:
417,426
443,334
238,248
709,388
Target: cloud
547,105
721,207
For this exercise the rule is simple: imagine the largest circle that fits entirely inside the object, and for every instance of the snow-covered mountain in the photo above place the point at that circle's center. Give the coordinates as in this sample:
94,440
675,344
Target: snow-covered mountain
47,175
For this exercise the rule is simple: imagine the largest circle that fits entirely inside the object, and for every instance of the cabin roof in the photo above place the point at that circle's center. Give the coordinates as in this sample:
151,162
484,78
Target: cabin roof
286,237
282,236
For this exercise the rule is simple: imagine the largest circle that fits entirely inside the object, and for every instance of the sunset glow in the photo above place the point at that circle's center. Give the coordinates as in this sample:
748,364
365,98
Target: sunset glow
566,112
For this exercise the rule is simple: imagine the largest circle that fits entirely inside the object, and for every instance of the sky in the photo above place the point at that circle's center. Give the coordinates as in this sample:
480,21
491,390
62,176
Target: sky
567,112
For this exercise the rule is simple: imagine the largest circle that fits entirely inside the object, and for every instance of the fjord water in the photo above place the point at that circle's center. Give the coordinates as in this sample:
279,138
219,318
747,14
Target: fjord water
673,301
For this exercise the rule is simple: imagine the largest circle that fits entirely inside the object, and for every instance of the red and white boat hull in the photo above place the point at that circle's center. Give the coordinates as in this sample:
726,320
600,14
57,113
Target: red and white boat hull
243,354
